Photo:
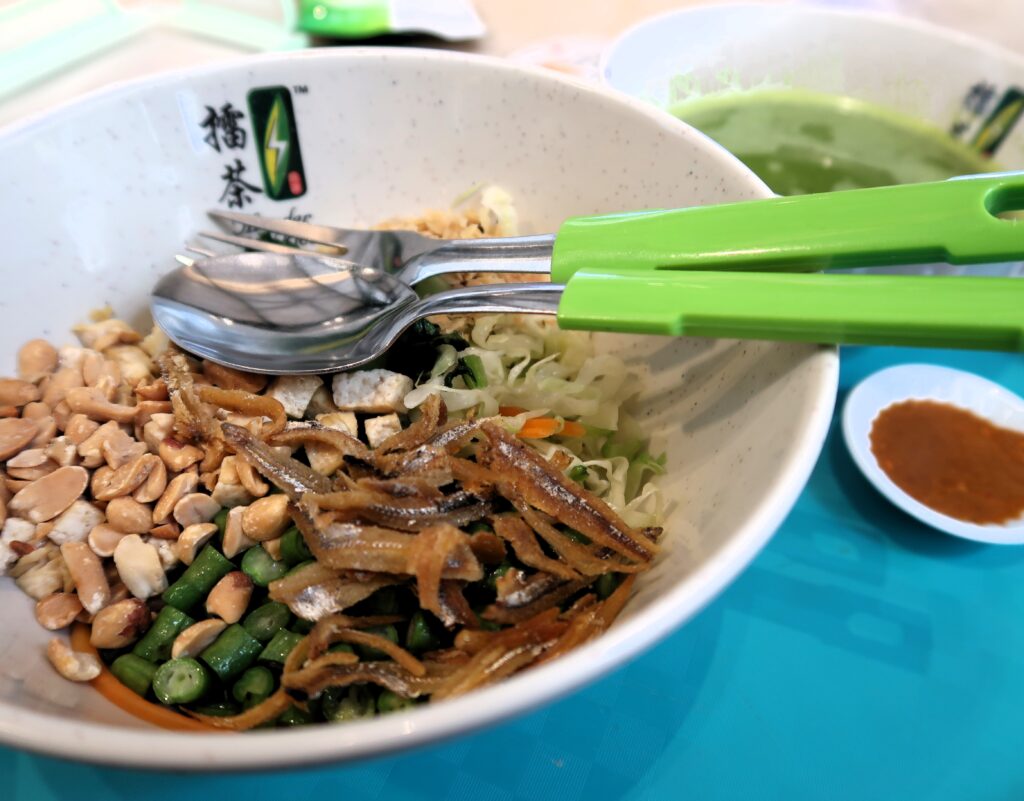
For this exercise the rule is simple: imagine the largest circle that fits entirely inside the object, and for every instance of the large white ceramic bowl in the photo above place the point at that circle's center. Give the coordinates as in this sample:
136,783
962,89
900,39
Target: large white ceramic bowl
99,196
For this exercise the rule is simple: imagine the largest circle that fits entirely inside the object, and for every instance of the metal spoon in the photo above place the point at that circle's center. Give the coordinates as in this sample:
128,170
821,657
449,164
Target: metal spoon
291,314
295,313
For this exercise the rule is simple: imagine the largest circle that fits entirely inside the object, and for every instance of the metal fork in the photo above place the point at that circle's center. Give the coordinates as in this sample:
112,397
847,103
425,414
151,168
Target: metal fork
406,255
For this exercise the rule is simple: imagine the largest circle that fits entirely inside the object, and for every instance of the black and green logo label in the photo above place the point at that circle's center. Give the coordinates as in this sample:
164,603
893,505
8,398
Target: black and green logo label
1000,122
277,142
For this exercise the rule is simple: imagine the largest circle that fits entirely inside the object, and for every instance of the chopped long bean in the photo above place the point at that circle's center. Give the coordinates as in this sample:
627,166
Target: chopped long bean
253,686
155,645
420,636
232,652
134,672
261,567
265,621
280,646
198,579
293,547
180,681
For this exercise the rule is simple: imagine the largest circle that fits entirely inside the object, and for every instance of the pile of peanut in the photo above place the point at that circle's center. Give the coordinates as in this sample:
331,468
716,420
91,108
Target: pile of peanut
98,500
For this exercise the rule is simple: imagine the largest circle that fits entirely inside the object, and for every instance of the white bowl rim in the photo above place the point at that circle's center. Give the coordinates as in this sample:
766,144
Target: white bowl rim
263,750
884,18
900,381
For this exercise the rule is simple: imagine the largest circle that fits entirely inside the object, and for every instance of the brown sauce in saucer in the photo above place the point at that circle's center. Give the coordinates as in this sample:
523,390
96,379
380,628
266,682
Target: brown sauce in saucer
951,460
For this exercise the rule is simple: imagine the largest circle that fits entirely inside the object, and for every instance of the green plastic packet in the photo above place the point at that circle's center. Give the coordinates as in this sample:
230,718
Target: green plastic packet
454,20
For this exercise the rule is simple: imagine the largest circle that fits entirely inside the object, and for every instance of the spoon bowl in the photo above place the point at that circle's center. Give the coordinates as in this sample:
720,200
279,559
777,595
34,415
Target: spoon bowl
294,314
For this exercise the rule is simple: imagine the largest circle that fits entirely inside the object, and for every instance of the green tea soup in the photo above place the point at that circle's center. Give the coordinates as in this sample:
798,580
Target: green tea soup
800,142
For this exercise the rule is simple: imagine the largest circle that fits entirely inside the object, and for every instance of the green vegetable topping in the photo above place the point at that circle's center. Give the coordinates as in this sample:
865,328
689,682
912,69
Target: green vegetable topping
180,681
261,567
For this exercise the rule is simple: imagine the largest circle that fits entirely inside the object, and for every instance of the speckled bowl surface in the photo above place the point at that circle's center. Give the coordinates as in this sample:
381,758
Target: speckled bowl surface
100,195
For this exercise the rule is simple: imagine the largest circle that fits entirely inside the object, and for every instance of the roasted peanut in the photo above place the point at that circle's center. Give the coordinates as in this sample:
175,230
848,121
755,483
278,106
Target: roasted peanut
133,362
15,392
120,449
103,334
145,410
273,548
63,451
32,473
158,428
155,390
41,579
103,539
195,508
194,640
72,665
230,596
91,402
266,518
250,479
235,540
57,386
46,430
166,531
178,456
138,565
192,539
129,516
50,495
15,434
107,484
119,624
75,522
79,428
58,610
36,410
30,457
167,552
87,572
177,488
36,358
153,487
61,415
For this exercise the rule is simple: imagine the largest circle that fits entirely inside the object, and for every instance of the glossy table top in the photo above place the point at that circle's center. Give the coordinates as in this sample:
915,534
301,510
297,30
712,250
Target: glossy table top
861,656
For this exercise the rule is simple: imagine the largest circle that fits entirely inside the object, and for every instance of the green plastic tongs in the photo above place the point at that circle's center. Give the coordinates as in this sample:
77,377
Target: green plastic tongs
746,269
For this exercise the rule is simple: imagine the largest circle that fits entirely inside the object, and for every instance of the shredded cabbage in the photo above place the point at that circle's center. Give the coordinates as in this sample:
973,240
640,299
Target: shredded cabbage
531,364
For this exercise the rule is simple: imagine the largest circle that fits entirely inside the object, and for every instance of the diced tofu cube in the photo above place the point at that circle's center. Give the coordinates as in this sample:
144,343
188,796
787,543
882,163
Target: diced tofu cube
323,458
379,429
377,391
343,421
294,392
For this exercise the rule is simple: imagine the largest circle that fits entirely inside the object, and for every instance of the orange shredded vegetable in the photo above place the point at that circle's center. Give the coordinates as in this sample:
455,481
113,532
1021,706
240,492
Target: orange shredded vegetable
107,685
543,427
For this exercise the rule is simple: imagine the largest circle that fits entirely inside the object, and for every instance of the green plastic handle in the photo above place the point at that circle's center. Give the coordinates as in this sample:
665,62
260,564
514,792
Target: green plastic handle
952,221
923,311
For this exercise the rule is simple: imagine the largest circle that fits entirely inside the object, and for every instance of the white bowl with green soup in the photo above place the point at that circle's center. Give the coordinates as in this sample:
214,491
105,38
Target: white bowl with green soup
817,100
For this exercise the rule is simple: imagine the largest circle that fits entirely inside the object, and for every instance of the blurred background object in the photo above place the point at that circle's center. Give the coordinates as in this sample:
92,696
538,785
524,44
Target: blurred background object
54,50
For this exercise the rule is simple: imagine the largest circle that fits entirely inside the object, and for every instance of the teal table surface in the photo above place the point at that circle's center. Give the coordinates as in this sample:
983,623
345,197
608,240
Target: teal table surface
861,656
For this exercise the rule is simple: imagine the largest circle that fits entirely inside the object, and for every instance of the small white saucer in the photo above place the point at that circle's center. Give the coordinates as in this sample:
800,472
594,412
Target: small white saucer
929,382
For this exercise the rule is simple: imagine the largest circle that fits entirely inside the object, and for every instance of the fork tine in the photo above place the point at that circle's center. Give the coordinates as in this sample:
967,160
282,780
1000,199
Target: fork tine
251,244
194,247
317,234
